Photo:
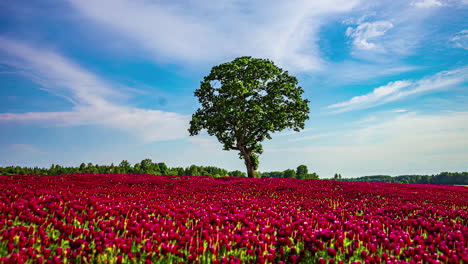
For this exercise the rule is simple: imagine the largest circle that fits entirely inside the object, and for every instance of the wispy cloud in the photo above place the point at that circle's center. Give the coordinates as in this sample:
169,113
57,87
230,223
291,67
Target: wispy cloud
370,99
460,40
399,111
388,32
204,31
427,3
401,89
95,99
364,33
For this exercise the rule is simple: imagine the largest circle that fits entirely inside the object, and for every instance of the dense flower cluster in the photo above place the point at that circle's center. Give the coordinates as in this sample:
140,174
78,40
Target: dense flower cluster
116,218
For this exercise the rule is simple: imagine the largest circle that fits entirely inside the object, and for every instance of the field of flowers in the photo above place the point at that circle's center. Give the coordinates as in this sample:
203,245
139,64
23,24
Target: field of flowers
115,218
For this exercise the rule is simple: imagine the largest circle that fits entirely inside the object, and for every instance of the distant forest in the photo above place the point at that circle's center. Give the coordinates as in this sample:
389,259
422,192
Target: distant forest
147,166
456,178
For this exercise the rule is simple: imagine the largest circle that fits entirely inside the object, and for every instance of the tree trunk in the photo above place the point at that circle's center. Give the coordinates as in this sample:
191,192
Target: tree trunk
250,170
248,163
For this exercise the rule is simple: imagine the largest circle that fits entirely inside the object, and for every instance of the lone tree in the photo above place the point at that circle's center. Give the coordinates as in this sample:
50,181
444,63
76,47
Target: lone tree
244,101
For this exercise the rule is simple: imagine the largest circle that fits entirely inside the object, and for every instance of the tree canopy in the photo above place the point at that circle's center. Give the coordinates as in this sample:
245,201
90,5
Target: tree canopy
246,100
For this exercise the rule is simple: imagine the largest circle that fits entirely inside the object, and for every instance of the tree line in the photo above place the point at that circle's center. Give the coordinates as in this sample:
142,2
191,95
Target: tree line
147,166
300,173
456,178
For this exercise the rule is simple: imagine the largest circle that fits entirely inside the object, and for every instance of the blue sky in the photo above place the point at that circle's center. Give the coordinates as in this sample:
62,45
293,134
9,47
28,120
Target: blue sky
105,80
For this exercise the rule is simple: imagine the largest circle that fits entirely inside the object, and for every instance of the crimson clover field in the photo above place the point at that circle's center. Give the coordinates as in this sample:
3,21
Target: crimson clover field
116,218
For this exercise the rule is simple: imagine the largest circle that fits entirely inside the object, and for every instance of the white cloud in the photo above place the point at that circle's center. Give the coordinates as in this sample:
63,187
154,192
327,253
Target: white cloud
396,144
400,89
427,3
364,33
399,111
91,95
204,31
371,98
461,39
387,32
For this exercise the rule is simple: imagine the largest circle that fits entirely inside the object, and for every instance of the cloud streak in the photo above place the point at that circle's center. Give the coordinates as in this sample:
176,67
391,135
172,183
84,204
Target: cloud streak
461,39
398,90
201,31
427,3
95,100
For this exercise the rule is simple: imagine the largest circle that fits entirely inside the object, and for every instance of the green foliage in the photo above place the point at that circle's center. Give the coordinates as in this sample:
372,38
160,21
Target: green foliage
302,171
162,168
137,168
458,178
124,165
312,176
82,167
237,173
244,101
147,166
289,173
272,174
